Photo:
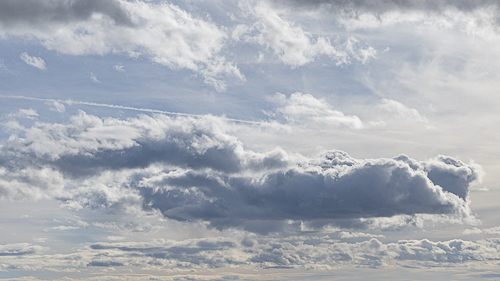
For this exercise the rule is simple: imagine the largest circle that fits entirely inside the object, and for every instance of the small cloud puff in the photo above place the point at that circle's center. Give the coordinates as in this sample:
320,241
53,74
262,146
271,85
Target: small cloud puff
93,78
24,113
308,111
56,106
401,111
119,67
33,61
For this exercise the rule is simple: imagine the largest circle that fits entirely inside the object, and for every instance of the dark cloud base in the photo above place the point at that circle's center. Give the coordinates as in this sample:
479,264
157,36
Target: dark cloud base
193,170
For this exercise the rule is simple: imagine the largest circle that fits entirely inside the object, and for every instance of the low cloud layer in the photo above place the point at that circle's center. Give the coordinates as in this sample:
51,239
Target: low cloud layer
192,169
312,253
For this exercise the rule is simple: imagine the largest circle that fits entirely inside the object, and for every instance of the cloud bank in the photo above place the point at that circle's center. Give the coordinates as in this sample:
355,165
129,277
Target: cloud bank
312,253
192,169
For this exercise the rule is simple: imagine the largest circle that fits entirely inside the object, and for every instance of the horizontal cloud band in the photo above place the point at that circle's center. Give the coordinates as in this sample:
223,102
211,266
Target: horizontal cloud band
193,169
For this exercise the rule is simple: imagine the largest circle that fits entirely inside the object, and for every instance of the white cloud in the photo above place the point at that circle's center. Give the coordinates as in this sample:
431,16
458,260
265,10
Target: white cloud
56,106
402,111
3,67
355,235
93,78
163,32
239,31
33,61
296,47
20,249
306,110
478,231
24,113
119,67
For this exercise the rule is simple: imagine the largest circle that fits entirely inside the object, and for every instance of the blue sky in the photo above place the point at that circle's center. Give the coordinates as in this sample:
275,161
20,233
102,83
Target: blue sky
249,140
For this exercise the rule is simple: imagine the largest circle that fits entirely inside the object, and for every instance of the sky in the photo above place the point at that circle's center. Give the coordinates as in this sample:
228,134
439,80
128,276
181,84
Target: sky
249,140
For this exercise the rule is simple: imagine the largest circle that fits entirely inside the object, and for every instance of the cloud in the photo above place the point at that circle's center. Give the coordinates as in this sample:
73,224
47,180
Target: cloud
2,66
24,113
305,252
119,68
20,249
306,110
487,231
163,32
191,169
33,61
56,106
355,235
391,5
293,45
93,78
402,111
476,18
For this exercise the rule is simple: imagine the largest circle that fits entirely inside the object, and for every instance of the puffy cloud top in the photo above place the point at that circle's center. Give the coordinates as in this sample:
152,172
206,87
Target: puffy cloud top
192,169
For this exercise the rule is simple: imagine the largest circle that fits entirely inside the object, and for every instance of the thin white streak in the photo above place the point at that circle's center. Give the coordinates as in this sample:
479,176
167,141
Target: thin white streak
71,102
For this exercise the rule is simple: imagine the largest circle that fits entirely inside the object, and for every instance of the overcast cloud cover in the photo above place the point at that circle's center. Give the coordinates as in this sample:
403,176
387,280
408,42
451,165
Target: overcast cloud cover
249,140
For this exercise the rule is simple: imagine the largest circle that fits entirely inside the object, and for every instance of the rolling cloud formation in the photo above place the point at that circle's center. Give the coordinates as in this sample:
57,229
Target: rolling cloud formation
193,169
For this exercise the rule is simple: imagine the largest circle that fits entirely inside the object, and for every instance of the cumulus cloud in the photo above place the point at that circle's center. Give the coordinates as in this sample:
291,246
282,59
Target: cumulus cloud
293,45
33,61
191,169
163,32
306,110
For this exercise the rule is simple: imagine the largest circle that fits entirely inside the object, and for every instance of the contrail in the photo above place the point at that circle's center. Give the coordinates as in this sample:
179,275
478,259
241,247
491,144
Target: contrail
71,102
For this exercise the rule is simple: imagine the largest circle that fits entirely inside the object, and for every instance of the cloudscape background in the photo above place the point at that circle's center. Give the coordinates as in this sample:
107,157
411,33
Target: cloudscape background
249,140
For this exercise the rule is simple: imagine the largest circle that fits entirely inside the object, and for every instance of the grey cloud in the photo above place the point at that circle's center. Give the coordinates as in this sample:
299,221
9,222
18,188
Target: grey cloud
88,146
314,252
193,170
331,186
382,6
206,252
105,263
307,252
20,249
38,14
